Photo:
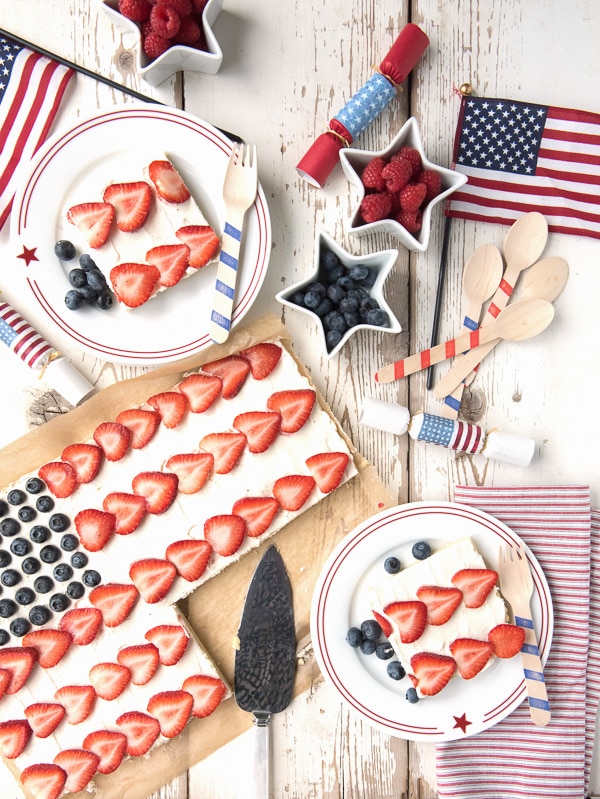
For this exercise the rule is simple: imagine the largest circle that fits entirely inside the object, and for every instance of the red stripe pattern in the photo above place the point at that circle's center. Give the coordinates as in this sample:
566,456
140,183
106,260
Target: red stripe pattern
515,759
22,339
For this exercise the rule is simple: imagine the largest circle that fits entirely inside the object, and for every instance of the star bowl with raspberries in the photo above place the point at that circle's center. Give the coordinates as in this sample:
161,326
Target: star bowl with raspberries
398,188
172,35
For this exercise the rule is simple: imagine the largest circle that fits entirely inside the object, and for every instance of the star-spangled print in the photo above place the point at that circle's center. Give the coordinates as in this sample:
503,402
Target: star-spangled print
9,50
366,104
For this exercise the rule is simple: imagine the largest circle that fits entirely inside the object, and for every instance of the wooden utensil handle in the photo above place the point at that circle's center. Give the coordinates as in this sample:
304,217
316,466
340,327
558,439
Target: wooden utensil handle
224,293
539,707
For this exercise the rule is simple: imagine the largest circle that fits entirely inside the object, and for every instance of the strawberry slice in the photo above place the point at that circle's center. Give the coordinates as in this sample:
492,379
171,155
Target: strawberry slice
207,692
172,709
44,717
134,284
114,601
507,640
292,490
44,780
171,641
93,220
18,661
226,449
109,680
201,390
432,671
202,241
171,260
192,469
257,512
85,459
83,624
141,731
51,645
131,202
158,488
110,746
233,371
295,407
172,406
168,182
261,428
113,439
80,766
263,358
60,477
77,700
225,533
475,584
128,510
153,578
141,660
441,602
14,737
470,655
5,678
328,469
386,627
94,528
409,618
143,425
190,557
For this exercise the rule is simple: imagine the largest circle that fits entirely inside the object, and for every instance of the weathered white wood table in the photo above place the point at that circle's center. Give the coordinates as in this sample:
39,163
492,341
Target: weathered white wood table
287,68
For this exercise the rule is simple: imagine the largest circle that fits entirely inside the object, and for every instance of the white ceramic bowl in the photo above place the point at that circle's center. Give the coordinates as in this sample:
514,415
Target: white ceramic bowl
354,161
178,57
382,262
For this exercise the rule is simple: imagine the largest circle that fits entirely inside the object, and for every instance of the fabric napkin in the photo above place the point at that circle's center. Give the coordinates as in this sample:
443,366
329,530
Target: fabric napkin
514,758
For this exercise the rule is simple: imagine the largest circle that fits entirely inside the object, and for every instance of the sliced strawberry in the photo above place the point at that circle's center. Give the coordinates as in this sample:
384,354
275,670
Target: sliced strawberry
475,584
263,358
143,425
113,439
171,641
110,746
507,640
109,680
18,661
60,477
128,509
201,390
172,709
441,602
225,533
153,578
295,407
261,428
141,731
226,449
83,624
233,371
141,660
94,528
168,182
470,655
193,470
131,202
409,617
51,645
172,406
133,283
432,671
77,700
171,260
44,780
85,459
292,490
93,220
80,766
158,488
328,469
44,717
207,691
5,678
257,512
202,241
190,557
14,737
114,601
386,627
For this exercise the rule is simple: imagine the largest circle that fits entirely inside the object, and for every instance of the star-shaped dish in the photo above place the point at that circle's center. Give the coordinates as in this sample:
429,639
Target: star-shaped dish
354,161
381,262
178,57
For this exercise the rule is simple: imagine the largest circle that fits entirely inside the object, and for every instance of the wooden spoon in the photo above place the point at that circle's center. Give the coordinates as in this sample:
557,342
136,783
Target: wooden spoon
517,322
481,277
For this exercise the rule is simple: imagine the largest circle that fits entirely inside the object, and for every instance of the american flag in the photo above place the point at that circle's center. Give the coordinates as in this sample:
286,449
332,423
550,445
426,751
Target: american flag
31,89
520,157
22,339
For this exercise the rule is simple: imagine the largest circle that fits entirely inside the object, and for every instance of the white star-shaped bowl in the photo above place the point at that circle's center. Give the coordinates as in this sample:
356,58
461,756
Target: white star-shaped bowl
177,58
381,262
354,161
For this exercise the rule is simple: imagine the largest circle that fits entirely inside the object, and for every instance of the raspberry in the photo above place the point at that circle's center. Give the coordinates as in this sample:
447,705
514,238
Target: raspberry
411,154
165,21
189,32
155,45
411,220
433,183
137,10
199,6
375,206
372,177
397,174
183,8
412,196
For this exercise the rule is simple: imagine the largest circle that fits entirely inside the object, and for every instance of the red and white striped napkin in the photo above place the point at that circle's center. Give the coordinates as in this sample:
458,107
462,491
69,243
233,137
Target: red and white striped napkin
515,759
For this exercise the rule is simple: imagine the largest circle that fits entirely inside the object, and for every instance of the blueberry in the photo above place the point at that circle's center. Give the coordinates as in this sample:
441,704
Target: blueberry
34,485
359,272
5,558
421,550
335,321
9,527
368,647
412,696
8,608
30,566
74,299
20,547
395,670
96,280
58,522
69,542
336,272
91,578
59,603
43,584
333,338
354,637
64,250
79,560
345,283
75,590
392,565
25,596
77,278
384,650
39,615
348,305
329,259
49,553
324,307
312,300
105,300
86,262
10,578
351,318
318,287
39,534
62,572
44,504
336,293
4,637
16,497
26,514
298,298
19,627
3,507
371,629
377,317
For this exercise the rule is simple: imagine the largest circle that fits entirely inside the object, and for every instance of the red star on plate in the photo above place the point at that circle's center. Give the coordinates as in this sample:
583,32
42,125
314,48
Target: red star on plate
28,255
461,722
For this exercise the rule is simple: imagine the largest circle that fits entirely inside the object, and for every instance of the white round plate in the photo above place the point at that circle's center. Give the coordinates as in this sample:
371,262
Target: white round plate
174,324
340,601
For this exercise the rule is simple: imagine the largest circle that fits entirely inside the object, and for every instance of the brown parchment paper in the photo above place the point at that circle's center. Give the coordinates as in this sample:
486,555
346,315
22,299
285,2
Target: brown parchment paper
214,610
